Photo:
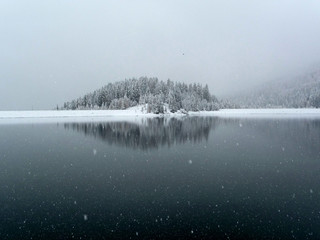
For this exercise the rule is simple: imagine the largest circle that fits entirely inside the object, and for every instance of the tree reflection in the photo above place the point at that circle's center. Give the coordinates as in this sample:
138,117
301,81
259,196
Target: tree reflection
148,133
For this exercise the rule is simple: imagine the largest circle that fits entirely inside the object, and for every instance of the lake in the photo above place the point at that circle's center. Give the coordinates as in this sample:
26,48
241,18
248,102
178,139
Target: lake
160,178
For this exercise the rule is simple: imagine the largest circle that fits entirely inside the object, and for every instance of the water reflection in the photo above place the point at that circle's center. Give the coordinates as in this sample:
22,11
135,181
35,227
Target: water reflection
149,133
152,133
223,179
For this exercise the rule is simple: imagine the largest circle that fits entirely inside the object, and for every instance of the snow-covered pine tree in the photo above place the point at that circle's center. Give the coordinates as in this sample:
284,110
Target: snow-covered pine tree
151,91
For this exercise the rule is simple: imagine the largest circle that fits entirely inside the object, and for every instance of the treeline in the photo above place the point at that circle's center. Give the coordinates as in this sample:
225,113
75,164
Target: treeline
158,96
301,92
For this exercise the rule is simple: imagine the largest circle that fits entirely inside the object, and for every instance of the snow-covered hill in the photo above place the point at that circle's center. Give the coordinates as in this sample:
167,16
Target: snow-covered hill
301,92
151,91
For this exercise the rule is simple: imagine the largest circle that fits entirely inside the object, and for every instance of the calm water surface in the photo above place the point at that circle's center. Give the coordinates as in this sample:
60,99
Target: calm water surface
205,178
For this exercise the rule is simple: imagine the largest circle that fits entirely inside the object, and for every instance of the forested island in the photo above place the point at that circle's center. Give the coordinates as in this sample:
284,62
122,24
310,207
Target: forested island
168,96
157,96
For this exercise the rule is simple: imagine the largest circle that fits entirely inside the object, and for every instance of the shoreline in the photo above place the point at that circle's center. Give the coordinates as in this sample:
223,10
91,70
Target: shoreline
98,115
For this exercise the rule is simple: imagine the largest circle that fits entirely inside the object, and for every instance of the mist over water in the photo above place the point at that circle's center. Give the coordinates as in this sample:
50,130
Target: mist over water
157,178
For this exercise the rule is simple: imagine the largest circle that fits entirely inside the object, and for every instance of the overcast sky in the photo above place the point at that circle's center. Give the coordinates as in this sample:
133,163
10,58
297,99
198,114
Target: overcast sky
53,51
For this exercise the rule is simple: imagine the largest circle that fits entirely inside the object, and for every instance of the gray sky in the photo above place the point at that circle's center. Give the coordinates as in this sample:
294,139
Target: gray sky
52,51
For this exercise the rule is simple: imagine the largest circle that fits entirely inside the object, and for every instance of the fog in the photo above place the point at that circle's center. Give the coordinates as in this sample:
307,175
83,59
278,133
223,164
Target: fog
54,51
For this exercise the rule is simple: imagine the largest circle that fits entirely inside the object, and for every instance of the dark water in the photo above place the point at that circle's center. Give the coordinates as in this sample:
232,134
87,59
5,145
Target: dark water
204,178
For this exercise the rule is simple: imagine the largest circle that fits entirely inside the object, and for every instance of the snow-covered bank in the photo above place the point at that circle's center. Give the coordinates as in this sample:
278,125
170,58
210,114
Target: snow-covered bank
265,113
70,113
54,116
136,111
98,115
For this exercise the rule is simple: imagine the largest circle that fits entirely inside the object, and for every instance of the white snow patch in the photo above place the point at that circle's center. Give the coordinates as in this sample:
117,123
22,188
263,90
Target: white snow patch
72,113
265,113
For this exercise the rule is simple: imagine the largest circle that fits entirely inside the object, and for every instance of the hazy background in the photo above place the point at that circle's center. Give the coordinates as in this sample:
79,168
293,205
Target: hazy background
53,51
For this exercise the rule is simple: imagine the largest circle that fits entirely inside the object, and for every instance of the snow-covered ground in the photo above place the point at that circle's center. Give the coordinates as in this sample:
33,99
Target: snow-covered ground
134,111
267,113
48,116
85,115
70,113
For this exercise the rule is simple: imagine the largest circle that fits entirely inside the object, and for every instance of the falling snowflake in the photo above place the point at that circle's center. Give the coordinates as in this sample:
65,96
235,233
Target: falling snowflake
94,152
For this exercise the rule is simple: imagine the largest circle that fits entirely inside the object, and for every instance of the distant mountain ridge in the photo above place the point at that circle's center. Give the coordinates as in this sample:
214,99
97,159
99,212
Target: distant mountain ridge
157,96
300,92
